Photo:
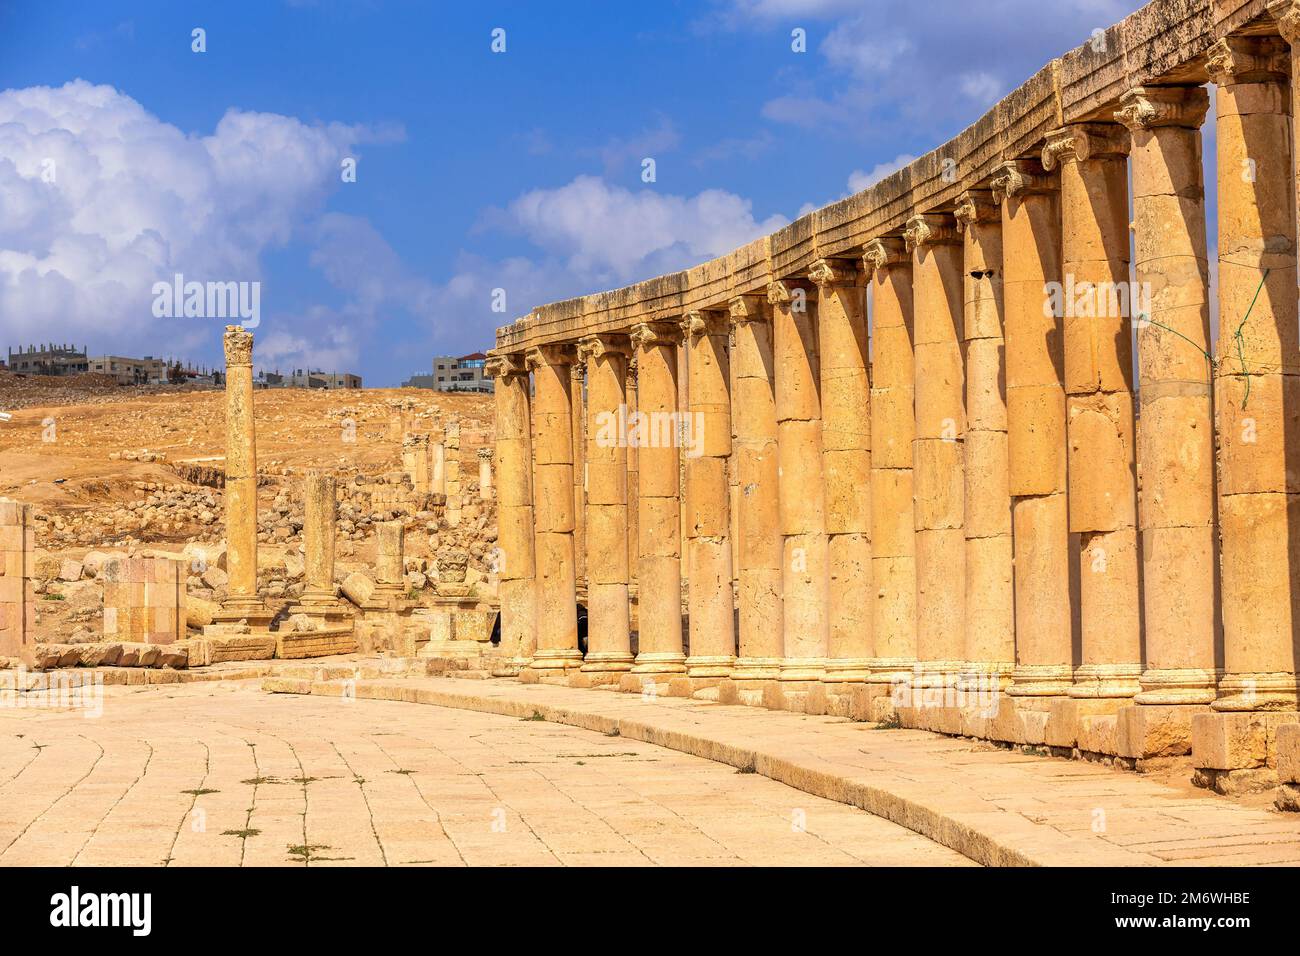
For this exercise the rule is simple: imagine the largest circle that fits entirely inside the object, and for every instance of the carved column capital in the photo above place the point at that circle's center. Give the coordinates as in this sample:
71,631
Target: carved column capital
782,290
975,206
1148,107
930,229
646,335
702,322
830,273
550,356
1287,15
1083,141
1248,59
1021,177
882,253
505,364
238,345
598,346
748,308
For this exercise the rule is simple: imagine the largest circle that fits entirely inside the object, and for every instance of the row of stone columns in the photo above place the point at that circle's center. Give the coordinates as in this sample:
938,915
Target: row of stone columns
970,489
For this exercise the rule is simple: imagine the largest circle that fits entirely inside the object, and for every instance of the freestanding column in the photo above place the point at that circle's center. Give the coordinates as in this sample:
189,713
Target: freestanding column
485,474
1031,236
893,534
17,569
758,469
1257,380
516,569
937,454
659,580
437,468
802,488
451,472
579,471
242,602
320,510
415,461
633,485
390,567
846,457
1097,306
1175,428
557,605
990,647
609,642
708,497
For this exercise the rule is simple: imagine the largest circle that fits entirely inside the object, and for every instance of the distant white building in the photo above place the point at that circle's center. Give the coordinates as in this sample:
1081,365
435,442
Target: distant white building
463,374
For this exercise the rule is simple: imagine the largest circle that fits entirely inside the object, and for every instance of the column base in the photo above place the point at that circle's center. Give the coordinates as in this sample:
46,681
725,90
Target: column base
802,668
985,677
1257,692
1177,686
1041,680
1239,752
662,662
556,659
250,610
1146,731
937,673
607,662
710,667
888,670
756,668
1098,681
848,670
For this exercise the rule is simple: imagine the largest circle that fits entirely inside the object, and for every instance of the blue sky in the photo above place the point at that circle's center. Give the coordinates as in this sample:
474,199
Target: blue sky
476,171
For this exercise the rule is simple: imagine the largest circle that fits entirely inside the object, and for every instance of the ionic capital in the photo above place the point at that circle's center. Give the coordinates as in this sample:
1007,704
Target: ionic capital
1021,177
748,308
550,356
975,206
1248,59
783,290
830,273
598,346
485,453
1287,15
238,345
702,322
647,335
1148,107
505,364
930,229
879,254
1083,141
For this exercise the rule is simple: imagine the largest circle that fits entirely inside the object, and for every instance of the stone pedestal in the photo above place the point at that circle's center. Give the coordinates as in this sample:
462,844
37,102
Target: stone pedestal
17,567
144,599
242,602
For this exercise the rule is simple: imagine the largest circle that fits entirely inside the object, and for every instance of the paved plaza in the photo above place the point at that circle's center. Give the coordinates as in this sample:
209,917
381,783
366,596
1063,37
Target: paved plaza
221,774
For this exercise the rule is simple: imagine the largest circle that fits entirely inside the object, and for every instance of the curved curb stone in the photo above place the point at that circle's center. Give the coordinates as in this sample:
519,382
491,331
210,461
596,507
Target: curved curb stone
947,813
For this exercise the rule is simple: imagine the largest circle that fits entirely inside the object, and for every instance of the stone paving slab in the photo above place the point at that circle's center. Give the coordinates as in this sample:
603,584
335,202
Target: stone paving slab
998,807
221,774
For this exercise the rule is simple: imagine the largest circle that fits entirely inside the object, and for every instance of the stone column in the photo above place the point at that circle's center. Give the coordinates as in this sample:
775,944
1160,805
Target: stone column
557,606
633,484
516,568
579,471
415,462
893,548
937,453
1257,379
708,497
390,567
1097,307
17,571
1175,429
846,459
990,646
659,577
485,474
1031,236
802,489
437,468
758,471
242,602
451,472
320,598
609,643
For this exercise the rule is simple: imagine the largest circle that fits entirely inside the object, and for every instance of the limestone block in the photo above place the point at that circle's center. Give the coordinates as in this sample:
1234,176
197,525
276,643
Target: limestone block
1237,741
1176,461
802,497
893,528
357,588
1102,482
659,527
1287,748
938,484
1261,552
987,505
1036,439
1066,718
1257,433
1144,731
892,427
199,612
847,476
708,511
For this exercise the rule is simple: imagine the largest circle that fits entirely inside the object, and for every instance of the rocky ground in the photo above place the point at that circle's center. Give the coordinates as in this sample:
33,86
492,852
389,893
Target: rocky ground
131,470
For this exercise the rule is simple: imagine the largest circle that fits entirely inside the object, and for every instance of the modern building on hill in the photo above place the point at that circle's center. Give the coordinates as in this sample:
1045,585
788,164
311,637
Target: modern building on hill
463,374
132,371
49,359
